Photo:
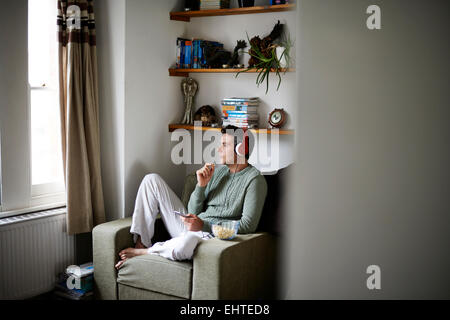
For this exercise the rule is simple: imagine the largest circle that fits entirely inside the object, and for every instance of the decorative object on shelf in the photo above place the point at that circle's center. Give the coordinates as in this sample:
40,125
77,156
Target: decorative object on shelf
189,88
272,2
281,57
215,56
277,118
264,57
214,4
283,51
264,46
206,115
191,5
234,60
246,3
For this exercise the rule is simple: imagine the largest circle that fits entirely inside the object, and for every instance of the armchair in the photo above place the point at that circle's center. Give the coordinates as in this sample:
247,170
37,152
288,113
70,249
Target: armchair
243,268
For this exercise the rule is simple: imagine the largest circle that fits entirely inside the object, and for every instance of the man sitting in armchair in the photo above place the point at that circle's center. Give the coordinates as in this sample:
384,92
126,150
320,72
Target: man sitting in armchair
236,191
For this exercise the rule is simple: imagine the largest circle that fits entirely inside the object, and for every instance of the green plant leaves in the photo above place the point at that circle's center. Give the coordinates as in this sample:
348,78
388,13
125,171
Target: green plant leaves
265,65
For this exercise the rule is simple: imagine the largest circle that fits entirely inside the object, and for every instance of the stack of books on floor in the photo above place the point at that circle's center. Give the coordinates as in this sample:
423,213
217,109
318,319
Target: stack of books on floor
240,112
81,282
214,4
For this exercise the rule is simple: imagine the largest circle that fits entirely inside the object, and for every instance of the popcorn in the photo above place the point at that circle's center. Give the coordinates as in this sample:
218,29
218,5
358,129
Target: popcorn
223,232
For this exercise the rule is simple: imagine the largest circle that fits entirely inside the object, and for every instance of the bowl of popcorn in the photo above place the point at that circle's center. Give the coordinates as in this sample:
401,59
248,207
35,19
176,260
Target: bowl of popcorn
225,230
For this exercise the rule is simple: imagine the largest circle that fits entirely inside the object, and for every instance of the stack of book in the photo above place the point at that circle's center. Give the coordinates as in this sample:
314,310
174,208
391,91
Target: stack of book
240,112
189,53
214,4
81,282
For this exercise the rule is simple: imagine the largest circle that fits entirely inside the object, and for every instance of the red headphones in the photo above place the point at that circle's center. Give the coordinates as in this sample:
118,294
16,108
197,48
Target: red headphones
241,149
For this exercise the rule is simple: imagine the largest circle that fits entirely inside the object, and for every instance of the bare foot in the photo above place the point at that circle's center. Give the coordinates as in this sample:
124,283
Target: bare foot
131,252
119,264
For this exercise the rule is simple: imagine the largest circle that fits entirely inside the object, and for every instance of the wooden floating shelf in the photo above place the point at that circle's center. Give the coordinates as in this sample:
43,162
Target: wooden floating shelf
173,127
179,72
187,15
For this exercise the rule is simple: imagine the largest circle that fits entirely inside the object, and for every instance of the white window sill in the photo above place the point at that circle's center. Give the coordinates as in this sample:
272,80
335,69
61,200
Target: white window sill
48,199
36,208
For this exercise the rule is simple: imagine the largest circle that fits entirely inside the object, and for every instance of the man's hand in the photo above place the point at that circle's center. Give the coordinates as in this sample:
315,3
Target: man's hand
192,222
204,174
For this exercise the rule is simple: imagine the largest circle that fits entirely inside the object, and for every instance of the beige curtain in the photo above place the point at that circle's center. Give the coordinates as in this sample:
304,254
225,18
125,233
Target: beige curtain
80,115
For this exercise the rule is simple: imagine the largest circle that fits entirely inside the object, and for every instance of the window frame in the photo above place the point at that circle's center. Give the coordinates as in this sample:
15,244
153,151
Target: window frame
43,193
19,196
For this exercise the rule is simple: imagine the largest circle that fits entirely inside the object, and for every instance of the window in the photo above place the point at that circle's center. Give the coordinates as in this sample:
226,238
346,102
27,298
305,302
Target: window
47,181
30,146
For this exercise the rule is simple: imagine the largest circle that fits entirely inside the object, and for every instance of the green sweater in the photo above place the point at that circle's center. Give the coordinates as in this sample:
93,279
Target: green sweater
230,196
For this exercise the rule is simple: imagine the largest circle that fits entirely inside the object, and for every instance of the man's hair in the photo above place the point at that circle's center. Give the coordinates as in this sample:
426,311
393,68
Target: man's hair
238,134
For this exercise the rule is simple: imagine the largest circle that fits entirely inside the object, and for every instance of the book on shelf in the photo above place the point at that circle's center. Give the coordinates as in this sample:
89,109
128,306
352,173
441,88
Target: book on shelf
240,120
214,4
240,101
240,111
178,51
189,52
240,108
232,115
243,99
236,120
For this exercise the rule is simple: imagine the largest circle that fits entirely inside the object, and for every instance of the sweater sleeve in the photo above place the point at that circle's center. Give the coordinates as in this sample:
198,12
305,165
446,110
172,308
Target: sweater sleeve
196,201
255,195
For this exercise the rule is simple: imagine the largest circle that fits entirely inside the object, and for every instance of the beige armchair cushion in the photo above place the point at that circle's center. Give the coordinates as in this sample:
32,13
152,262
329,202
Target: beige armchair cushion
158,274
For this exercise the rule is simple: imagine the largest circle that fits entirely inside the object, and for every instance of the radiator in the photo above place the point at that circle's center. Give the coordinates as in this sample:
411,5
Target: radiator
34,249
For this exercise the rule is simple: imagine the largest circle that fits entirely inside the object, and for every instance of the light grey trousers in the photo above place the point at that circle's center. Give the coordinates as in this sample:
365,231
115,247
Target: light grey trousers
155,196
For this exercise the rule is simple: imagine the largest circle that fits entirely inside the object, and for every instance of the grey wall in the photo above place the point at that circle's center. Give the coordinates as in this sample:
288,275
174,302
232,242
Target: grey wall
110,31
373,152
137,97
14,115
152,98
214,87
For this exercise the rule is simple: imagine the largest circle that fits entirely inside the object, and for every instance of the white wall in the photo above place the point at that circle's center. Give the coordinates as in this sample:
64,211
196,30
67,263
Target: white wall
138,99
151,96
14,115
373,153
214,87
110,31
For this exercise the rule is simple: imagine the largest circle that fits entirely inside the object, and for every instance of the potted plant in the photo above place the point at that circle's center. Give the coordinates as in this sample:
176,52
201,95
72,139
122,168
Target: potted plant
275,57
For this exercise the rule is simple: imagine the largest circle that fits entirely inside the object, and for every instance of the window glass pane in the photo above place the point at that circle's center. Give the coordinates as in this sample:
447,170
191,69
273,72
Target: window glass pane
46,159
45,137
42,44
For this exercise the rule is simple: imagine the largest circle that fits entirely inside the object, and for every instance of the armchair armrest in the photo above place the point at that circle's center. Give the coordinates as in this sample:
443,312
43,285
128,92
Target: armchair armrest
108,239
242,268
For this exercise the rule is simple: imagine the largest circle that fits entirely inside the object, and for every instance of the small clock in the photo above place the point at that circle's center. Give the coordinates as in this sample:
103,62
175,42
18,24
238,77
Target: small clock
277,118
